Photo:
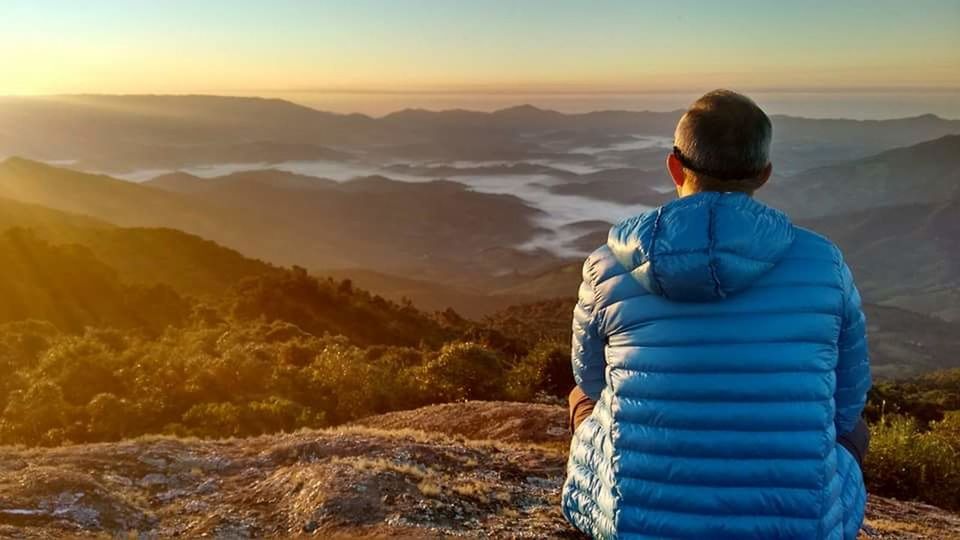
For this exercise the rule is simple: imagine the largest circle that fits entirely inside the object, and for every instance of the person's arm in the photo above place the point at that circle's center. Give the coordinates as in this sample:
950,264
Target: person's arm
853,366
587,351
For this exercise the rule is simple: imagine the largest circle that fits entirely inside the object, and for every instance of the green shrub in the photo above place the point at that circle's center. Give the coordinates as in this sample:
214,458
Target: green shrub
37,415
278,414
461,371
925,398
907,463
245,419
109,417
545,370
214,420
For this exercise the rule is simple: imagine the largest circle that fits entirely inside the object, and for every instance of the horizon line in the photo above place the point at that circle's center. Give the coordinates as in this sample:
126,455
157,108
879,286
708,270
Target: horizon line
515,90
453,109
483,90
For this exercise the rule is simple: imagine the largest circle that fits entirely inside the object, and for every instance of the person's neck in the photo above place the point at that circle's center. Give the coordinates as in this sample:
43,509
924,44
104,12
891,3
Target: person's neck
681,193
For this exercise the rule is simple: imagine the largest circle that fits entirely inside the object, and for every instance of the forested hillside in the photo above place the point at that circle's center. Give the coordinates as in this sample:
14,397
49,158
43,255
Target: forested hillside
108,333
69,287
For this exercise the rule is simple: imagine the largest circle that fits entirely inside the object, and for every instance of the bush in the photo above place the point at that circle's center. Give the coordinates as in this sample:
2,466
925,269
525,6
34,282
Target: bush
546,370
278,414
37,415
245,419
81,368
907,463
214,420
109,417
461,371
926,398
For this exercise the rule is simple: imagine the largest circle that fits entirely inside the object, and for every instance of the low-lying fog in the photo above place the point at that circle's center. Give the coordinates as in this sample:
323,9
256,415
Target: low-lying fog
558,211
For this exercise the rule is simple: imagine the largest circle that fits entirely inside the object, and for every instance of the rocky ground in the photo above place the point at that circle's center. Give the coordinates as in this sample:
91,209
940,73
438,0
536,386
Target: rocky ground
501,421
474,470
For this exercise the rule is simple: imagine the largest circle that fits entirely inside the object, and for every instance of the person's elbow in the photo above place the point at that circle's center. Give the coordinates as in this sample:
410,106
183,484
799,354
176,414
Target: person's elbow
592,386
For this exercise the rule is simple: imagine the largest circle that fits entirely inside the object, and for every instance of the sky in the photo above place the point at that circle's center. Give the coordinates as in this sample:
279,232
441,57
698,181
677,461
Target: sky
413,52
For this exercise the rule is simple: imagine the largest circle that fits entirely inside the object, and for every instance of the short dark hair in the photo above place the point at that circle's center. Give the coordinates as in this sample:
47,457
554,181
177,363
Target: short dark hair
723,140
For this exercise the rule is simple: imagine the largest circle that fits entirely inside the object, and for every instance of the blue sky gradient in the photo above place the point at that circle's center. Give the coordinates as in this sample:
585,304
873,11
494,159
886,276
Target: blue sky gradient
479,47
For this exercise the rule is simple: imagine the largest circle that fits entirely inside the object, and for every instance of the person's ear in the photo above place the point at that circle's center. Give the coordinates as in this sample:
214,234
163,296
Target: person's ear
765,175
675,168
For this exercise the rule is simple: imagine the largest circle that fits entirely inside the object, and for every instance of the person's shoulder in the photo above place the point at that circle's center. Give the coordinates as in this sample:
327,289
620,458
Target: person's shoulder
600,265
604,263
811,244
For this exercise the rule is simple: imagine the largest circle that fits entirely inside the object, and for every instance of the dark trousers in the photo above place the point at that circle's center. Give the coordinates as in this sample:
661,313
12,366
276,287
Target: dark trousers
856,442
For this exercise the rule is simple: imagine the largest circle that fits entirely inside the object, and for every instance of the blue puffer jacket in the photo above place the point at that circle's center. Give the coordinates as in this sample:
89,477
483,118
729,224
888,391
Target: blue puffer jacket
726,348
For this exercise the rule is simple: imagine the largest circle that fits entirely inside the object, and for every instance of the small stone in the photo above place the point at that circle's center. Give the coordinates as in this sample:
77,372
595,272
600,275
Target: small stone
195,506
170,495
207,486
117,479
158,463
153,479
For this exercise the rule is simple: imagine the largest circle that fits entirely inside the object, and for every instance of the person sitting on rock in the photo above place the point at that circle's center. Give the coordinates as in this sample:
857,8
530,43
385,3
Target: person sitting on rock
720,358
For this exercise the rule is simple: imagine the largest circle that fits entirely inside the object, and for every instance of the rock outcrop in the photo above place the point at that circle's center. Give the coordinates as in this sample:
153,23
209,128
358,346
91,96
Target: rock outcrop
467,470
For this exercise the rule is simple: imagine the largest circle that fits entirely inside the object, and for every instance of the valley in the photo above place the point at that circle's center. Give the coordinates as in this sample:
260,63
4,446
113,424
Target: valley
470,210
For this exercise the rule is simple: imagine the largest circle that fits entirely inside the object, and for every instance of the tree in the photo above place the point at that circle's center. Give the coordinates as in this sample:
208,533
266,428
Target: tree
109,417
460,371
31,414
545,370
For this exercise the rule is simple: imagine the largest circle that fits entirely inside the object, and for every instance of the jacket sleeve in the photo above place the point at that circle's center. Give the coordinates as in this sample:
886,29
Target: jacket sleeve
853,367
587,352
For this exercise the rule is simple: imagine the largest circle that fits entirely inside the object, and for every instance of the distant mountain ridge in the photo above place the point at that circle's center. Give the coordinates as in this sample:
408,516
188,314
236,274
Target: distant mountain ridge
892,213
907,255
183,182
927,172
437,229
42,219
127,204
124,132
143,256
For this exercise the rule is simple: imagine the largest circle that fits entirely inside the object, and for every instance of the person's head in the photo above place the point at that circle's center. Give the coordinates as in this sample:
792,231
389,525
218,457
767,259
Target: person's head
722,143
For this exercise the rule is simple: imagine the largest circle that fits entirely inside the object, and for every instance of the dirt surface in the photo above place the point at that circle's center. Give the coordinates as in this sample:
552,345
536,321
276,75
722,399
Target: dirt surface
388,480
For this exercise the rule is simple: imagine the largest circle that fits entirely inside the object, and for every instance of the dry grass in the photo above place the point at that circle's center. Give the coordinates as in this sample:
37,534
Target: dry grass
433,438
385,465
429,489
481,491
510,513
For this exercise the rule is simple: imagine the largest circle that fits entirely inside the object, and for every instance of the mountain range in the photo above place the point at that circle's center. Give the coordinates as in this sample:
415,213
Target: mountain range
896,219
437,232
117,133
924,173
369,222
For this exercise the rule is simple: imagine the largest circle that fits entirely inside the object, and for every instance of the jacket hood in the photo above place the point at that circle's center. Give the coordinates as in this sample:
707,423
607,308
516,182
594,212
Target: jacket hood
702,247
